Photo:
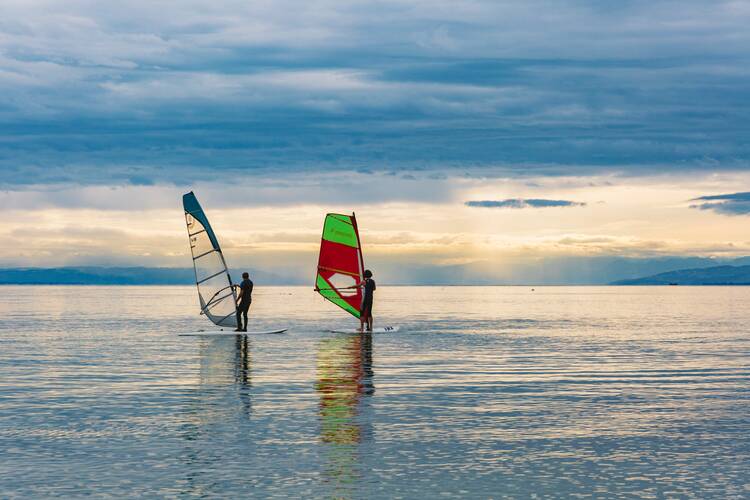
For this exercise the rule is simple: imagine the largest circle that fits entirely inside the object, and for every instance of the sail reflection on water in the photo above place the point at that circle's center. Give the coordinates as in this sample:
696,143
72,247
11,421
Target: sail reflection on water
223,395
225,378
225,361
345,379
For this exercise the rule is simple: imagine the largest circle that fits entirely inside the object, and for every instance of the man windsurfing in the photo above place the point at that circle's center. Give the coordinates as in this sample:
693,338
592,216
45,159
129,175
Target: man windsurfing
365,313
244,299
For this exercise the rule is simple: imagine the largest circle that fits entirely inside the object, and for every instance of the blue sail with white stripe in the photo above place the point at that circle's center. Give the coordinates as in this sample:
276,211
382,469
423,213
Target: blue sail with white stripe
216,291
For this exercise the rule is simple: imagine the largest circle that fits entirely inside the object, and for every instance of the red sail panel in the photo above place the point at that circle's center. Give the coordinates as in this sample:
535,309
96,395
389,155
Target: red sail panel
339,257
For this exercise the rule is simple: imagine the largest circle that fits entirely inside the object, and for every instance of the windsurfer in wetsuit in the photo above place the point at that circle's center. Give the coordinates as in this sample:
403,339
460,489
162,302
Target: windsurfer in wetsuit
244,299
365,314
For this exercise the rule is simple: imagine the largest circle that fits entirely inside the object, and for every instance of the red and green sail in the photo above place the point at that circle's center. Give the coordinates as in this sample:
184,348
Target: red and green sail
340,263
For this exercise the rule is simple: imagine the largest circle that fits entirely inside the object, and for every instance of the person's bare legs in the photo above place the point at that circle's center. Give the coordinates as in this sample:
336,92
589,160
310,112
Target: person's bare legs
369,323
362,320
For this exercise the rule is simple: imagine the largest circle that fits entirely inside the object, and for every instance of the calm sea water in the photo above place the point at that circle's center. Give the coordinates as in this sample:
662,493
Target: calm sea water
485,392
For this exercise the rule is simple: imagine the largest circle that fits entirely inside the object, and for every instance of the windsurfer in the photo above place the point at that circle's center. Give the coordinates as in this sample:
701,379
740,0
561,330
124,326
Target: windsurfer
365,313
244,299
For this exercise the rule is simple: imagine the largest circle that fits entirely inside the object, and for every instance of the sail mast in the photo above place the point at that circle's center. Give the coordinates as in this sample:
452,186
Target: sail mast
359,246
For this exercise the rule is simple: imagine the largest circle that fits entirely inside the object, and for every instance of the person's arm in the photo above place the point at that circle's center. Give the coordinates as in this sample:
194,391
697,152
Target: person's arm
239,295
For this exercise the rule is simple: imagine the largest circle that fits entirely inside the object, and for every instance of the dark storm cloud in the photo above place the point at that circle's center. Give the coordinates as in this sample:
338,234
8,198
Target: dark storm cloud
523,203
727,204
97,93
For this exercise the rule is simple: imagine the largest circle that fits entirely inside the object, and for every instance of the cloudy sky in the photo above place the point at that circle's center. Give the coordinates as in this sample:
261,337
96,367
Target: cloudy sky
477,141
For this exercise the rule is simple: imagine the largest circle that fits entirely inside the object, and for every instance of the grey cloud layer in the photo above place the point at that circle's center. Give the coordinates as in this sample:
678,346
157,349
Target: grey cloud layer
270,189
728,204
522,203
151,93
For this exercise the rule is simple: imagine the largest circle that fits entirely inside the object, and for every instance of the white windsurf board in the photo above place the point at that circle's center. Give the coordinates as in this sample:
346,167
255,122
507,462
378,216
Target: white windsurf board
228,333
385,329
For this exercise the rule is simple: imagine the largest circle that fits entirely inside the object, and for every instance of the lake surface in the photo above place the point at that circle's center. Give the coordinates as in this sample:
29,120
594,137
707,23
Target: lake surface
485,392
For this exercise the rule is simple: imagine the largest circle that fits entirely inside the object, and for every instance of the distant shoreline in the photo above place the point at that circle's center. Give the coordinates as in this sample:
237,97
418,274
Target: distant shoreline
459,285
726,275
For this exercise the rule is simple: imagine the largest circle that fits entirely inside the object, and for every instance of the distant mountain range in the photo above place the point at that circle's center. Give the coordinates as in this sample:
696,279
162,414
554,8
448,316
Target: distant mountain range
117,276
596,273
718,275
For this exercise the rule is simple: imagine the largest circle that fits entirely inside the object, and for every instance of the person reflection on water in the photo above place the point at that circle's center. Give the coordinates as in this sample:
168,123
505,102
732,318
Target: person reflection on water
365,313
244,299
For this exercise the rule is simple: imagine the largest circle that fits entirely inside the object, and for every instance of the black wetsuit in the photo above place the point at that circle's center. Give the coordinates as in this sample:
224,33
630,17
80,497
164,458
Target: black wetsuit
247,289
369,290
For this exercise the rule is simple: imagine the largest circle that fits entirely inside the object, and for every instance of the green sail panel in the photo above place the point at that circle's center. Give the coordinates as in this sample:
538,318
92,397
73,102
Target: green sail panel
339,229
329,293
